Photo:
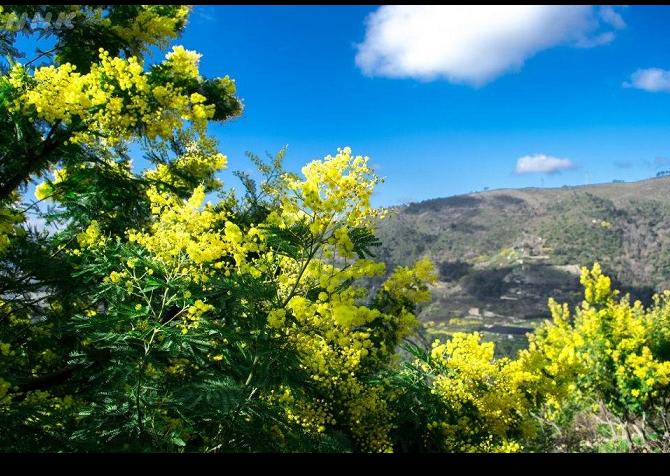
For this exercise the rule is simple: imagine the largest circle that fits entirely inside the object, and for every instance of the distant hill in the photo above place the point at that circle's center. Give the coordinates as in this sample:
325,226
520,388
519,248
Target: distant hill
503,253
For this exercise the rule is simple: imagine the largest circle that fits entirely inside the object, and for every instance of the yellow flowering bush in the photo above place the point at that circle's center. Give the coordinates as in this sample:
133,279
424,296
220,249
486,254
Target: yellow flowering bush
474,402
609,351
196,274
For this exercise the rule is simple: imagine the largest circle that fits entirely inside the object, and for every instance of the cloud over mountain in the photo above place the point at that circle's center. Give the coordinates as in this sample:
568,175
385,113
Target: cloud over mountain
541,163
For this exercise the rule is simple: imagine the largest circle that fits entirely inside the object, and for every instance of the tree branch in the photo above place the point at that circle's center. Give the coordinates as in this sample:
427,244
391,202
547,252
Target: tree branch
32,162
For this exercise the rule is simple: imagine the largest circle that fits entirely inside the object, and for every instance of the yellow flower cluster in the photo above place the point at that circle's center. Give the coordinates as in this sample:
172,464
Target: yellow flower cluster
45,190
91,237
485,399
552,353
185,230
597,286
335,189
406,282
112,102
313,416
193,315
183,62
9,226
182,227
199,162
7,17
610,349
150,28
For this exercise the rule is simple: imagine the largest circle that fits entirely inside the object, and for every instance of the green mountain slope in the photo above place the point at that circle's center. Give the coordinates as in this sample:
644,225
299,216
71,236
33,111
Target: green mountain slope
503,253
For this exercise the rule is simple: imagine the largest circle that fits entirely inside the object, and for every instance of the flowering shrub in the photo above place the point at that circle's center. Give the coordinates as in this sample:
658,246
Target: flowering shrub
163,322
610,351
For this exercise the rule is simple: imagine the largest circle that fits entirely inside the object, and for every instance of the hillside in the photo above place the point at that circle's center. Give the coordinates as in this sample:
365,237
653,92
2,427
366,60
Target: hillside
502,253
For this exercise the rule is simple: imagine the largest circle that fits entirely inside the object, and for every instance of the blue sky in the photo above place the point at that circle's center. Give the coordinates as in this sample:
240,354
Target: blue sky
441,114
295,69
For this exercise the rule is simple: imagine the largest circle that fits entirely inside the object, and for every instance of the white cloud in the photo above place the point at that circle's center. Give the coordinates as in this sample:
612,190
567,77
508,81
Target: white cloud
204,13
601,39
541,163
651,79
611,17
477,43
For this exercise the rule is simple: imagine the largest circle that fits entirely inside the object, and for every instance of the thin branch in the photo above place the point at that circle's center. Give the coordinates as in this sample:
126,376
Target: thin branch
44,53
